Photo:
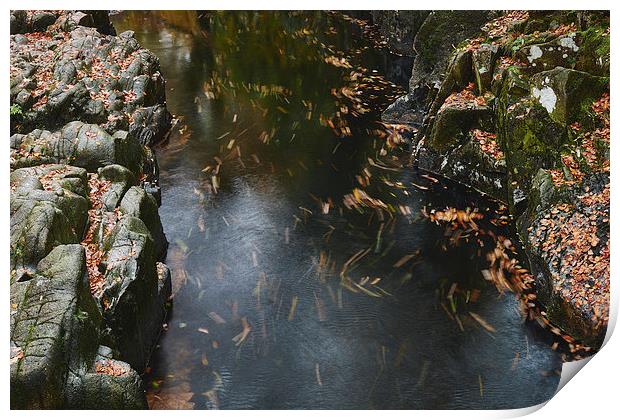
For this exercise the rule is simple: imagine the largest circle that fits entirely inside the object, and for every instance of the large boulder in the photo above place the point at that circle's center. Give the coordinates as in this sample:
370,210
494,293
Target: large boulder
433,44
54,329
566,235
564,92
42,219
79,144
110,384
138,203
131,296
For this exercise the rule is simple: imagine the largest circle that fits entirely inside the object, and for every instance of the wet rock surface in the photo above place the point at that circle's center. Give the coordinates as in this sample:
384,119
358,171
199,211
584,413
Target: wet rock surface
520,110
88,289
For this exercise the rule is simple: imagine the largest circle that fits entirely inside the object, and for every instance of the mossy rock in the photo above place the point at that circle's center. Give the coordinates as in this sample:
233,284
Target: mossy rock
85,145
56,327
121,178
561,51
453,123
594,54
483,63
131,301
469,165
138,203
118,387
567,94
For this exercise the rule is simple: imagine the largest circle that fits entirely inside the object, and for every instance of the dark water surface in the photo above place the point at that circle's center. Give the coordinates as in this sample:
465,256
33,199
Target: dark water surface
260,254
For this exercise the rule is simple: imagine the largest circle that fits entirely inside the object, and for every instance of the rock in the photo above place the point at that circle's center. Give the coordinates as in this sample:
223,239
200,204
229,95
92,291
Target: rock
453,123
433,44
18,21
399,27
110,384
99,79
544,78
404,111
564,92
42,220
148,124
83,102
471,166
131,301
567,243
23,21
559,52
40,21
483,62
70,178
55,327
84,145
138,203
122,179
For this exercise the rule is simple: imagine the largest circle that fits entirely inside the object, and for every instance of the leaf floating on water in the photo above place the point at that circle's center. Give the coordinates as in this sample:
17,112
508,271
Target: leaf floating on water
404,260
515,361
320,307
212,399
420,187
318,374
215,317
291,313
239,338
482,322
204,360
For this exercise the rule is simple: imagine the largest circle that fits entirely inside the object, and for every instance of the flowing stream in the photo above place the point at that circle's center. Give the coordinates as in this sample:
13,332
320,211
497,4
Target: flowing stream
260,318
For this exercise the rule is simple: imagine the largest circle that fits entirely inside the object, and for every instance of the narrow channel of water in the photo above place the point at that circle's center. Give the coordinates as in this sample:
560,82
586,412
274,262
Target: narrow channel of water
259,256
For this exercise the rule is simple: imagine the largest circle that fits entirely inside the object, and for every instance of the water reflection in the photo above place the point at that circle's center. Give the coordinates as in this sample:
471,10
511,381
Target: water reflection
260,317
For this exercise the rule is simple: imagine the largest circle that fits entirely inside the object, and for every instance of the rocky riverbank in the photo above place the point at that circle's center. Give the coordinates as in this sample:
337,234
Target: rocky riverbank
89,289
516,104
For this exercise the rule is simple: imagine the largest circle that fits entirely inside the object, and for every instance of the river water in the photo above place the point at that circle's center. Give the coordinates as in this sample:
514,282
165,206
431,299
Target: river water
260,317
